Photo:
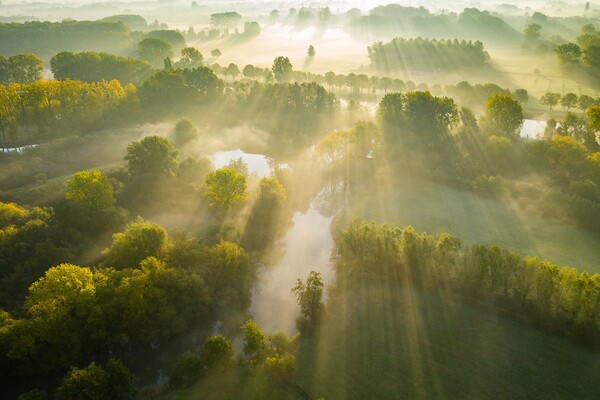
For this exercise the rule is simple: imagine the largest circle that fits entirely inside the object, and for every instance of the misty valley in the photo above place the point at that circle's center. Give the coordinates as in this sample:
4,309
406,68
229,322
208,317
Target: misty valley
286,200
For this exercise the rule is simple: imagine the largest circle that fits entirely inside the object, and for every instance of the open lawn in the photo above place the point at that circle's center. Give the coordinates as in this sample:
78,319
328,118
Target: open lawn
394,343
436,208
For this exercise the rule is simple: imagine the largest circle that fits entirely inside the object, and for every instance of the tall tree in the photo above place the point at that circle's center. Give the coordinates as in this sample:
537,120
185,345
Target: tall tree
504,116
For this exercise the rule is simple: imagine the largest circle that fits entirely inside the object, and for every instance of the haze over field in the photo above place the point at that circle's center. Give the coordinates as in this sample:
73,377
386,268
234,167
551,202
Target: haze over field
290,200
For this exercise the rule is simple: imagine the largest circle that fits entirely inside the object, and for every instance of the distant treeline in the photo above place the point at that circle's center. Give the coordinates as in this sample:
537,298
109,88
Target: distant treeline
48,38
558,299
427,55
49,109
97,67
394,19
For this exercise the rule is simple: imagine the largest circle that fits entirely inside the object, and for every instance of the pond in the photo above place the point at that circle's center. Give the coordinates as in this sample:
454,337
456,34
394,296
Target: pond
18,150
307,246
532,129
257,163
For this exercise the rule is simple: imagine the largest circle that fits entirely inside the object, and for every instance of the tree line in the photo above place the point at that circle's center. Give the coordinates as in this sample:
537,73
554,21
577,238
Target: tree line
558,299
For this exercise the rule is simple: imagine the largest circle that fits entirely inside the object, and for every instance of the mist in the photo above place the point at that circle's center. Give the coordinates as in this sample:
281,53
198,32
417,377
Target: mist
259,199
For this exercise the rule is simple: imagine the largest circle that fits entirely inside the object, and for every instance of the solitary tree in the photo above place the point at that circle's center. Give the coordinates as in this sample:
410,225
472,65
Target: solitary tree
185,131
224,189
532,31
309,296
504,116
282,68
216,53
311,51
152,157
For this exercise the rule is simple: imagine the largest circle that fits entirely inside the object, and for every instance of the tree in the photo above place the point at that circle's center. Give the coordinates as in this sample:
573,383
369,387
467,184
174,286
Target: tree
190,58
152,157
550,99
504,116
91,191
532,31
232,71
309,296
139,240
217,352
186,371
311,51
216,53
115,382
593,114
281,367
569,100
154,51
254,342
521,95
83,384
185,131
568,53
282,69
224,189
21,68
584,102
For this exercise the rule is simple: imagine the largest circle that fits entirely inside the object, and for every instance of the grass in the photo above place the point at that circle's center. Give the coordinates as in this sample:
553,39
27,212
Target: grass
435,208
395,343
234,383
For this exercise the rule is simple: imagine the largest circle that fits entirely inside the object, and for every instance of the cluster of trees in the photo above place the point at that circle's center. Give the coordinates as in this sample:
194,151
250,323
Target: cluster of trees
416,119
20,68
48,108
568,101
146,289
586,50
97,67
427,55
48,38
558,298
395,19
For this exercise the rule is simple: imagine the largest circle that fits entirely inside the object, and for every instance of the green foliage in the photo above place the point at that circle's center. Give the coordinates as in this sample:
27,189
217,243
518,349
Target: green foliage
254,342
281,367
186,370
190,58
550,99
115,382
48,38
97,67
171,37
20,68
34,394
151,158
225,188
282,68
217,352
532,31
84,384
185,131
173,91
427,54
154,51
504,116
261,228
309,296
568,54
140,240
227,20
91,191
216,53
311,51
416,118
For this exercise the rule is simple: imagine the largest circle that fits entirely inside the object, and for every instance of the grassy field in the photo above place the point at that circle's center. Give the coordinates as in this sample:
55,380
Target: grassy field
232,385
435,208
396,343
